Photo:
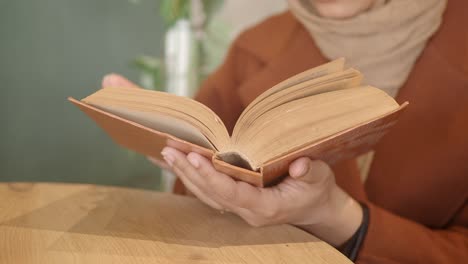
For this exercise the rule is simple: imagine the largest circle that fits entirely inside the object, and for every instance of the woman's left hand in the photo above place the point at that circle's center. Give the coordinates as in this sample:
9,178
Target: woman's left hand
308,198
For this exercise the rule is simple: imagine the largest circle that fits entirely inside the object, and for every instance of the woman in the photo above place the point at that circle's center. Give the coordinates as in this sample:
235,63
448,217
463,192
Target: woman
413,206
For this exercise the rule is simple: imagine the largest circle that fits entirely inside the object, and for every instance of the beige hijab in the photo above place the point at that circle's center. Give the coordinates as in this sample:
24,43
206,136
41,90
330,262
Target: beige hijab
383,42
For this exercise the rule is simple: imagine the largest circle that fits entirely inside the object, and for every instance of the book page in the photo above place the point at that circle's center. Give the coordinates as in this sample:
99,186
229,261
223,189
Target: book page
164,112
316,72
304,121
331,82
163,123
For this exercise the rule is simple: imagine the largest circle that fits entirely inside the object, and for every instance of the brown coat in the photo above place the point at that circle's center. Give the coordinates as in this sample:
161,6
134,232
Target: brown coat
417,188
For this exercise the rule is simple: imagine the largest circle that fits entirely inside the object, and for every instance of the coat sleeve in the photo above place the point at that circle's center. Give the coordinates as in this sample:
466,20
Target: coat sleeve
393,239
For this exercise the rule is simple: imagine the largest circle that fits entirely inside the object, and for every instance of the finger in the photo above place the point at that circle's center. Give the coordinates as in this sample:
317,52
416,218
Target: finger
212,185
222,189
175,158
178,160
309,171
115,80
206,197
160,163
182,169
197,192
231,193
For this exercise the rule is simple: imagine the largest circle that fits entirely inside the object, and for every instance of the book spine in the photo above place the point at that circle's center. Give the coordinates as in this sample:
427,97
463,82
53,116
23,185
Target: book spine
253,177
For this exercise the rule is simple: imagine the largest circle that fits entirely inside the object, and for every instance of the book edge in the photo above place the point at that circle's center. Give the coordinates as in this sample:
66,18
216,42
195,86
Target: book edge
172,141
278,166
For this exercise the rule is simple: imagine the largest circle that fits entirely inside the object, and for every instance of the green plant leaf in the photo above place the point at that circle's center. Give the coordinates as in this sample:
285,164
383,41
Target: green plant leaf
173,10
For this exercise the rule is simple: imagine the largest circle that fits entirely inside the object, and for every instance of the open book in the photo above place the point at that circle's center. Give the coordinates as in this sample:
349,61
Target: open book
322,113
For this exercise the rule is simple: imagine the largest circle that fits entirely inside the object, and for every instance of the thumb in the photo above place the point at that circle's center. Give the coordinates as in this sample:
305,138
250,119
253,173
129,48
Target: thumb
310,171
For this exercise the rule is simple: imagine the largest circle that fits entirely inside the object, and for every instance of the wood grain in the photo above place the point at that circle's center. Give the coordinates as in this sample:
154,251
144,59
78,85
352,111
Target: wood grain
72,223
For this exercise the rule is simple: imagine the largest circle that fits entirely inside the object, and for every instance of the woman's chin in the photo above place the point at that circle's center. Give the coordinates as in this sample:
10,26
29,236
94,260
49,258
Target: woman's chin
336,9
334,13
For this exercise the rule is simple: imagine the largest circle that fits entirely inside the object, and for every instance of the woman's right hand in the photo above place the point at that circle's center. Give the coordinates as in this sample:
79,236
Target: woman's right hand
117,81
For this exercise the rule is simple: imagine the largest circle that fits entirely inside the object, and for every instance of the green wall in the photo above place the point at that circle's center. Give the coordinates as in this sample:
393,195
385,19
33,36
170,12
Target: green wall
52,49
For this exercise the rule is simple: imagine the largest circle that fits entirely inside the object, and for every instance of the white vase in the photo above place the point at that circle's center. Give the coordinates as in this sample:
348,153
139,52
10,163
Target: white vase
178,56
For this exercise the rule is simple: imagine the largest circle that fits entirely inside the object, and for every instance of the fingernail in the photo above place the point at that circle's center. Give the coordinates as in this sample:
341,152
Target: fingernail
168,158
193,160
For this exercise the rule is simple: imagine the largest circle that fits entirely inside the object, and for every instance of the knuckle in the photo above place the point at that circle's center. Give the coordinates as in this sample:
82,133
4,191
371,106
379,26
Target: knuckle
244,202
210,177
183,165
229,194
256,222
271,212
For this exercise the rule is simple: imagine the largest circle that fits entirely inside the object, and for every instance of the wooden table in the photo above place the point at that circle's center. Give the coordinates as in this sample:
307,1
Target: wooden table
75,223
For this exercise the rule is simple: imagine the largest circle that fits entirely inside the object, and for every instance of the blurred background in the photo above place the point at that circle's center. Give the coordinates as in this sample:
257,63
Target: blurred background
52,49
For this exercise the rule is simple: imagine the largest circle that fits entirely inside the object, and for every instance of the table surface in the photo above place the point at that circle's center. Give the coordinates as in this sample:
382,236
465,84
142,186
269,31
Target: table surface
76,223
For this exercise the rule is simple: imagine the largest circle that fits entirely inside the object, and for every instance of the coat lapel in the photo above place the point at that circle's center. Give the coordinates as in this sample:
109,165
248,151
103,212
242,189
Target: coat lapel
298,53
